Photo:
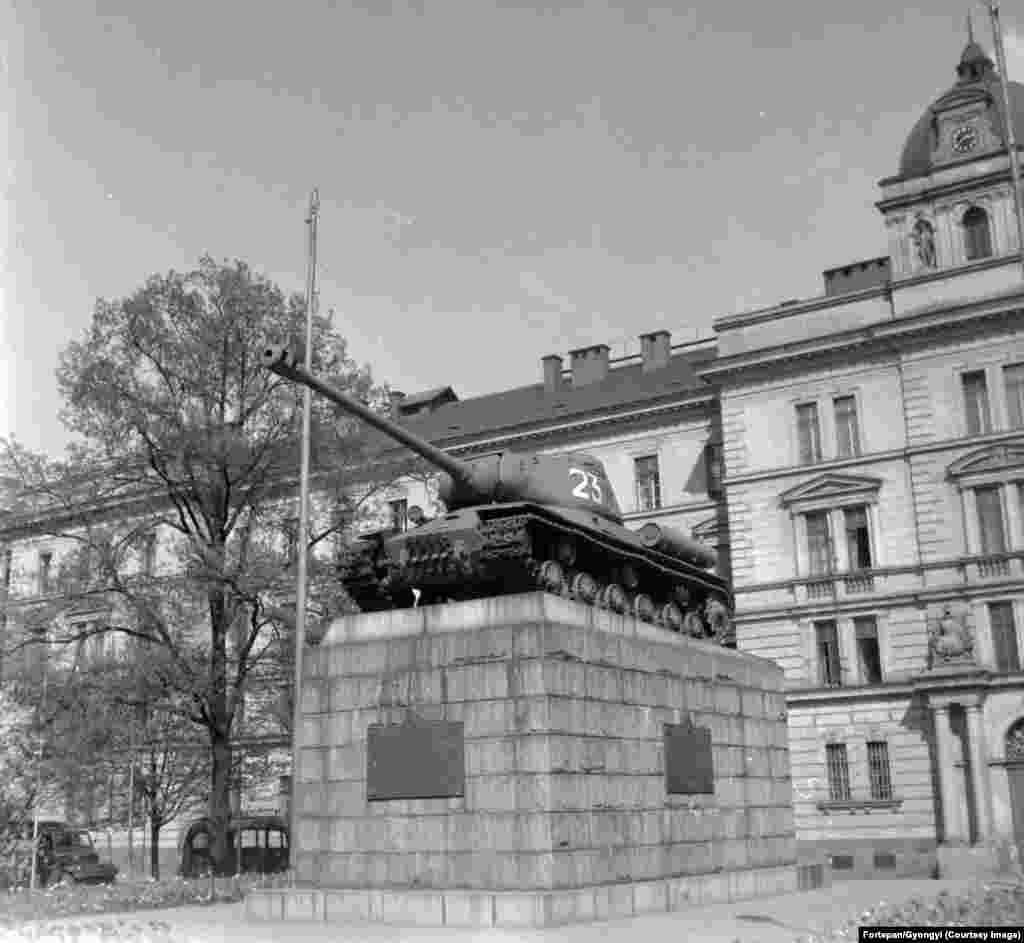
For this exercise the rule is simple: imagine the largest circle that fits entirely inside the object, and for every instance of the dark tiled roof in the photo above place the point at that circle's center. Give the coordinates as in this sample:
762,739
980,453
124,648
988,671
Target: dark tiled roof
531,406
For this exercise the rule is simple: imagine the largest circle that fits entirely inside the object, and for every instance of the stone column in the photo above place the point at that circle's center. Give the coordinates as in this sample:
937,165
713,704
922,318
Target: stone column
979,769
954,828
972,534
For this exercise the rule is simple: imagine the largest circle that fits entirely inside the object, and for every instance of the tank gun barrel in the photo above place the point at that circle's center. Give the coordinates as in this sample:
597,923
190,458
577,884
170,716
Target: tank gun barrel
281,361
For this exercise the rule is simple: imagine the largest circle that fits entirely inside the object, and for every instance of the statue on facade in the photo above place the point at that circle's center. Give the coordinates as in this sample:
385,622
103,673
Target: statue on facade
950,639
923,236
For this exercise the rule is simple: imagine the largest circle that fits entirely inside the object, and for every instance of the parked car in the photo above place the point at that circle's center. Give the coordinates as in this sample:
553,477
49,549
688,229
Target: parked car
66,853
257,844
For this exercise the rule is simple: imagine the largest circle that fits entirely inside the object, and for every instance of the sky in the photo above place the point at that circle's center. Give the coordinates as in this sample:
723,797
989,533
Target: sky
498,181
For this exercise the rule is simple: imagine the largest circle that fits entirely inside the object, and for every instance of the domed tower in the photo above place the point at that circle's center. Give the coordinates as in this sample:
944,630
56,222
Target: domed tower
951,204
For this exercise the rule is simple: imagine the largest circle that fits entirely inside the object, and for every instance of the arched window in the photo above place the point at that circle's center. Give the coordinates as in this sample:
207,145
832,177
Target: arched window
977,235
1015,742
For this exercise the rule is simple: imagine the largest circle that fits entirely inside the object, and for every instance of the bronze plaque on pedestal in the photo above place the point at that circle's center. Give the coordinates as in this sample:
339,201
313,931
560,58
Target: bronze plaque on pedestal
689,764
418,759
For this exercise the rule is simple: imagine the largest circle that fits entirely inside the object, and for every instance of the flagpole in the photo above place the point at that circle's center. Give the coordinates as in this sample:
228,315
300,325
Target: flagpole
303,535
1011,143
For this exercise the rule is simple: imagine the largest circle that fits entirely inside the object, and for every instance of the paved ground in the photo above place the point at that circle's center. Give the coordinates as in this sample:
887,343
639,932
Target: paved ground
779,919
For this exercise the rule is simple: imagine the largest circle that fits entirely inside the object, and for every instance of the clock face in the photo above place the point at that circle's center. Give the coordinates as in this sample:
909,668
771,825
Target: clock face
965,139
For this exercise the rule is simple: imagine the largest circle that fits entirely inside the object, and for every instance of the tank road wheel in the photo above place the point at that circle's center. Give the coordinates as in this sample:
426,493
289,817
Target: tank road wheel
584,587
671,617
682,596
694,624
643,607
613,597
566,552
628,576
551,577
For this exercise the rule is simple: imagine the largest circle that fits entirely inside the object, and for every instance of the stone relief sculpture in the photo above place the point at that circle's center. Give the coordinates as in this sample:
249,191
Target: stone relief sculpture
950,639
923,237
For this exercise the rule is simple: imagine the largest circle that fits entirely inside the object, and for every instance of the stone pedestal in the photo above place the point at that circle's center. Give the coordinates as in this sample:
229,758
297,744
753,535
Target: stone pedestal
565,811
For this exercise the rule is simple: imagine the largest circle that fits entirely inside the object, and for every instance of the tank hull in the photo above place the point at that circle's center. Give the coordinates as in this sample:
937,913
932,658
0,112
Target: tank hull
497,549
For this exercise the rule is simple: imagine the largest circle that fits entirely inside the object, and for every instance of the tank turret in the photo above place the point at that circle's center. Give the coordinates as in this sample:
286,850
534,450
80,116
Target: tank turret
516,521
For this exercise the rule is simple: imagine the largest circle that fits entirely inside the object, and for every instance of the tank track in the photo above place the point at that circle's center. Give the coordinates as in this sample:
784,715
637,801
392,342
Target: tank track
524,552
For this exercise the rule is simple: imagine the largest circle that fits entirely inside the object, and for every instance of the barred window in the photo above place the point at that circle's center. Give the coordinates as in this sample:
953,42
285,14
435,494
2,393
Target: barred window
838,771
1004,636
879,775
648,483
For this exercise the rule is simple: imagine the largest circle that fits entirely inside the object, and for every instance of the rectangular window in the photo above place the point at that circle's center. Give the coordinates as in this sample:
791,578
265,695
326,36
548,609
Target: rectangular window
979,419
399,515
1013,377
990,519
829,666
648,483
879,775
819,543
868,654
808,433
45,572
838,772
1004,636
858,543
847,434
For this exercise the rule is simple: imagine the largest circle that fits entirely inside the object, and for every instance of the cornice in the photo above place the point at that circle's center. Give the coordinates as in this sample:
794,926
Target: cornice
939,190
978,442
731,322
814,695
883,333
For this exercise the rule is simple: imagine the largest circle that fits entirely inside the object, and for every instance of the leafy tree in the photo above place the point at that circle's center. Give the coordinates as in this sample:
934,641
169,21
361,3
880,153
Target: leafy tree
183,434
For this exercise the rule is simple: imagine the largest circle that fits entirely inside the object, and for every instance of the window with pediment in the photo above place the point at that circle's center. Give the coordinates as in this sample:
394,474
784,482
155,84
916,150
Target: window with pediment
991,482
833,516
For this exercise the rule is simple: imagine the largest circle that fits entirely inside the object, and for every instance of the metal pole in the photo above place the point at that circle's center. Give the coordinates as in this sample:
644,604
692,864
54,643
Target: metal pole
303,538
1011,143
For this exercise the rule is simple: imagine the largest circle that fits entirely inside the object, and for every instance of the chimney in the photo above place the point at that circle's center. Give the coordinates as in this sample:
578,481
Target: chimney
552,366
396,404
655,350
589,364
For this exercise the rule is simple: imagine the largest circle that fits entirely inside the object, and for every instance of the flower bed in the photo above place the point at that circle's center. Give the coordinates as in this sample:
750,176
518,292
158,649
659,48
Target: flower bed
19,905
989,905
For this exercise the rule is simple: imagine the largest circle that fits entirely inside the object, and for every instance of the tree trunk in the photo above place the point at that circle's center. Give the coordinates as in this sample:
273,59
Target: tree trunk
220,801
220,734
154,848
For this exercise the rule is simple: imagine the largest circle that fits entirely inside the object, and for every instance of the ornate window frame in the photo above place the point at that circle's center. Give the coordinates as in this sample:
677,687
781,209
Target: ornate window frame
833,492
1000,464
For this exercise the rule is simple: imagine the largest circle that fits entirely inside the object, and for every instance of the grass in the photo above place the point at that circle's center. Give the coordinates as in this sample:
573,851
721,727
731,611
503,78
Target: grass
988,905
19,906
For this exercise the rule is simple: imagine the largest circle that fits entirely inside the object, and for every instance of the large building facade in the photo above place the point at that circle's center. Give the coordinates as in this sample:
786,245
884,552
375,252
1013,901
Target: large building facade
857,459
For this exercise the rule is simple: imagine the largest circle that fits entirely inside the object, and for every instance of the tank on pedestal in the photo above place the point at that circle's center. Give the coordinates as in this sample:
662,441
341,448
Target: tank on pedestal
519,521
